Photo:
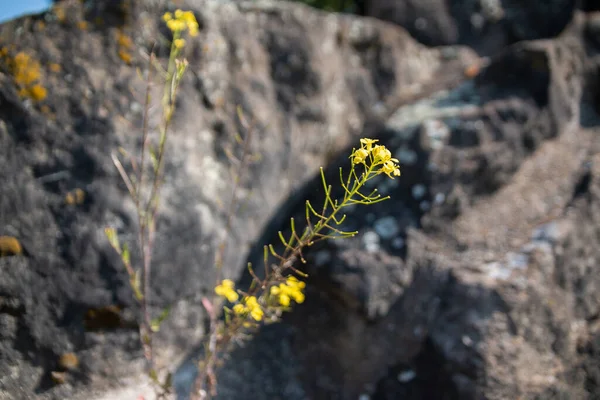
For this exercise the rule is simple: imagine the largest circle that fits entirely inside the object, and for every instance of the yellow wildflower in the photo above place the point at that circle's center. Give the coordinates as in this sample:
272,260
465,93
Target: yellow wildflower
193,28
292,281
179,43
190,21
227,289
291,289
183,20
175,25
251,306
360,155
255,310
390,168
381,154
239,309
257,313
284,300
367,144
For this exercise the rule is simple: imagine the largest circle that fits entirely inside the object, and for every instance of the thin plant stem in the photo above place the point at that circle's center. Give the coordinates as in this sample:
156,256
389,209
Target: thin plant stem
145,248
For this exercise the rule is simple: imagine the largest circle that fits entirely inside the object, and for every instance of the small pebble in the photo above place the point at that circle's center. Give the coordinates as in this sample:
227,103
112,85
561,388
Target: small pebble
371,241
439,198
418,191
407,376
10,246
386,227
398,243
467,341
68,361
58,377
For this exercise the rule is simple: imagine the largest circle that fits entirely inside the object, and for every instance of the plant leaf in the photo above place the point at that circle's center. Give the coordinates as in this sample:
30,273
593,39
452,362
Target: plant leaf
111,235
125,255
155,323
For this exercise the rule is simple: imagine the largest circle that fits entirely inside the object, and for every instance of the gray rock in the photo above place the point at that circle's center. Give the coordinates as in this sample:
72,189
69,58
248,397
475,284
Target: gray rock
309,80
486,25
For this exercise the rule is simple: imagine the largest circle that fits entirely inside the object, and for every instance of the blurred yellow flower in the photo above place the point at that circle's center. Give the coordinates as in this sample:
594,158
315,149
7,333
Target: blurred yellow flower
179,43
256,311
183,20
227,289
291,289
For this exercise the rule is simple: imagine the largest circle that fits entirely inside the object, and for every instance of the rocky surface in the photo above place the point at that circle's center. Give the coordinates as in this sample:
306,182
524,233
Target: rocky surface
309,81
486,25
477,280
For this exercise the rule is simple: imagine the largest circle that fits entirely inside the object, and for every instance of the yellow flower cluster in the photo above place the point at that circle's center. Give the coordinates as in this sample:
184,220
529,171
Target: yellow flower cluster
179,43
227,289
378,155
283,293
291,289
181,21
250,306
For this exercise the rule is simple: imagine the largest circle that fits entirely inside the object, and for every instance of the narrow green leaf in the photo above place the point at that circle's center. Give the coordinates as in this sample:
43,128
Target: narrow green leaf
111,235
156,322
153,375
125,256
136,285
168,381
153,157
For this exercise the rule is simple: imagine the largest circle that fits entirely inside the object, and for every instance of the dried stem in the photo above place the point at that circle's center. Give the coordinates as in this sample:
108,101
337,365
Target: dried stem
208,369
145,248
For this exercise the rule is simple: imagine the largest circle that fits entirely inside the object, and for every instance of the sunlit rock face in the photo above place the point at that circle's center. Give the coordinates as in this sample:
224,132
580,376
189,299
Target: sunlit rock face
475,280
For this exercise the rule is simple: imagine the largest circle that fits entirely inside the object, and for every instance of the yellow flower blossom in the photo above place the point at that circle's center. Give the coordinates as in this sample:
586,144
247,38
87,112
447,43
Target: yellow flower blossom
227,289
360,155
179,43
367,144
176,25
390,168
250,306
183,20
239,309
380,157
288,291
193,28
284,300
256,311
381,154
292,281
